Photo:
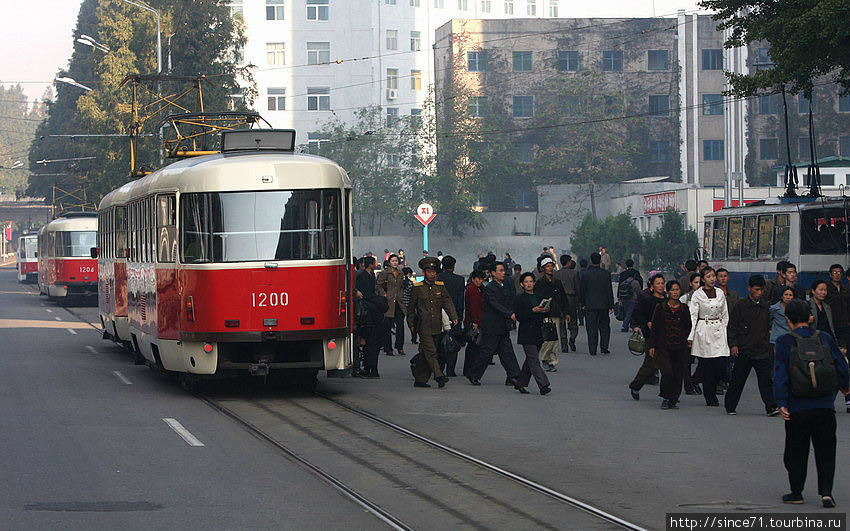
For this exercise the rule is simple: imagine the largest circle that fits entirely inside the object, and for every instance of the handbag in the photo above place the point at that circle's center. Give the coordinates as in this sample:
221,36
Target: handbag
637,343
550,331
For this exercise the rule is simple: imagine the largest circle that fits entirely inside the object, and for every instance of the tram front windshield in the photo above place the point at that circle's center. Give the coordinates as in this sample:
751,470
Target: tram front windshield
75,244
260,226
28,247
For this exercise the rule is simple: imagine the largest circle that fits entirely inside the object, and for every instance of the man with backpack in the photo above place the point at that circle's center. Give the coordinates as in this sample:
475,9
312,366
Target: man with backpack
628,287
808,371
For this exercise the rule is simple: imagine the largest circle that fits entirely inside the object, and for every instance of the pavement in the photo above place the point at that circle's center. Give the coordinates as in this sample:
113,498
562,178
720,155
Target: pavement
85,449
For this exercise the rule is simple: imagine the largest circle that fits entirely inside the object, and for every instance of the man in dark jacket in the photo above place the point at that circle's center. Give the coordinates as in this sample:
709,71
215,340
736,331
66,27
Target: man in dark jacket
495,327
550,287
597,298
641,318
368,333
568,275
837,296
455,286
748,332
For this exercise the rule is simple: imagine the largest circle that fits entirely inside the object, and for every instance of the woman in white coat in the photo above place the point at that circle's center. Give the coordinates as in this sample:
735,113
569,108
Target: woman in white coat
708,335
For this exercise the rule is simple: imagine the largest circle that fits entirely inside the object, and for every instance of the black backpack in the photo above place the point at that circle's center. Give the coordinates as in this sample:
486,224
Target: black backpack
625,289
811,368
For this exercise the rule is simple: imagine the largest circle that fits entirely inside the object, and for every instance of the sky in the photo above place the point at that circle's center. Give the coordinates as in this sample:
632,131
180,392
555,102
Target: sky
37,33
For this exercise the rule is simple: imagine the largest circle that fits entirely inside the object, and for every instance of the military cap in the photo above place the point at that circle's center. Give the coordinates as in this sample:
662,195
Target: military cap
429,262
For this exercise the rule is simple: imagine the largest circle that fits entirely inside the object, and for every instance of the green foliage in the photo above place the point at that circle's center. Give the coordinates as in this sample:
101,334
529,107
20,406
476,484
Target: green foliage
670,244
618,234
205,41
808,39
18,122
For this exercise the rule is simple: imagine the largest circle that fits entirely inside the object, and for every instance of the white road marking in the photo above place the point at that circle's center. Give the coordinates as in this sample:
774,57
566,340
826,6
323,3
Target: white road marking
183,432
48,310
122,377
91,349
58,318
71,331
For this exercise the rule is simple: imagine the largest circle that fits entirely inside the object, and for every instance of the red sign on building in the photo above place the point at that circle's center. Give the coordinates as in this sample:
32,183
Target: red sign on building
659,203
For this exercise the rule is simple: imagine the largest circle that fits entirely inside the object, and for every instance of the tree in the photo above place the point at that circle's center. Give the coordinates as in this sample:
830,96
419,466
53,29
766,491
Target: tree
808,39
670,244
18,122
618,234
206,40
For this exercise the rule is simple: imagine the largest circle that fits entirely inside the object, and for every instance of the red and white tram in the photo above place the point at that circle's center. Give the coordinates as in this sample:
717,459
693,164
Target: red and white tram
65,265
112,264
234,261
27,263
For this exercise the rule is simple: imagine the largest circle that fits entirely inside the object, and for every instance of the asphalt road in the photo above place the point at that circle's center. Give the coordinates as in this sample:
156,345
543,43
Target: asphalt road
86,450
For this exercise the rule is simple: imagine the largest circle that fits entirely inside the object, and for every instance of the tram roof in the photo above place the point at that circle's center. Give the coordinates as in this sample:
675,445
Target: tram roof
229,172
72,223
780,205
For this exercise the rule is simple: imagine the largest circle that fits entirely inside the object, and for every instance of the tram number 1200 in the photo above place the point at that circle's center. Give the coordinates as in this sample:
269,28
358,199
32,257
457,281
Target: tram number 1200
262,300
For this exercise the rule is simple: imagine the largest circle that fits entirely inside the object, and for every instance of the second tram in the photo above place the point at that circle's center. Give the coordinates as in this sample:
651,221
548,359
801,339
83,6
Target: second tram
65,265
27,263
238,261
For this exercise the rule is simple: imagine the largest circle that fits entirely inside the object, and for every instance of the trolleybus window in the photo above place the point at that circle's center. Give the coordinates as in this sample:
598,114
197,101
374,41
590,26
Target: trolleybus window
706,238
823,231
765,236
781,235
749,238
257,226
719,250
733,250
77,243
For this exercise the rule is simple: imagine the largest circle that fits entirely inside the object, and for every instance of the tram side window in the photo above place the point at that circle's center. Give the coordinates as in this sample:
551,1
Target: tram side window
749,237
823,231
733,250
718,252
781,235
120,231
765,244
166,228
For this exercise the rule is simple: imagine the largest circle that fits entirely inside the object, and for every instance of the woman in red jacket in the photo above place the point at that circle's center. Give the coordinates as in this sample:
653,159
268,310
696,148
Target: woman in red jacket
668,344
473,313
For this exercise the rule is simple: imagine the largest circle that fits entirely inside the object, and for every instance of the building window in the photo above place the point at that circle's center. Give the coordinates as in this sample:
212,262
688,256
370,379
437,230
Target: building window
571,105
486,6
318,53
525,152
531,8
439,4
391,2
568,60
236,99
393,160
844,146
392,116
275,9
276,99
275,53
463,5
712,150
612,60
318,10
803,152
712,104
522,61
659,105
392,39
318,98
236,8
415,41
712,59
523,106
315,141
844,103
553,8
762,59
804,103
768,149
392,78
414,3
659,150
476,61
767,104
509,7
478,106
416,117
658,59
416,80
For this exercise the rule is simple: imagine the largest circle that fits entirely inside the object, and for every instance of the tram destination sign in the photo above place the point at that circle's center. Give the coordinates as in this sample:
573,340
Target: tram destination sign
425,214
659,203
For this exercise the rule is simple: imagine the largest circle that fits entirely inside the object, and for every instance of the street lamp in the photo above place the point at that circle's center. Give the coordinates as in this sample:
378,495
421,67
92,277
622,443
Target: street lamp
70,81
89,41
146,7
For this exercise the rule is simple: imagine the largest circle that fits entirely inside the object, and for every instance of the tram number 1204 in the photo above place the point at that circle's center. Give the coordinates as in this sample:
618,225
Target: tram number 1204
261,300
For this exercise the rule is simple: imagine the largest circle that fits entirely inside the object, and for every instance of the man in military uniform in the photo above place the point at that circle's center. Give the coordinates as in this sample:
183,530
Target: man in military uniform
424,317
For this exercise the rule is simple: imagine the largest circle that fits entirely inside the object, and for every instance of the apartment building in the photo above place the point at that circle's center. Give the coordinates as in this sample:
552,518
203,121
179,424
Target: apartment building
316,59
